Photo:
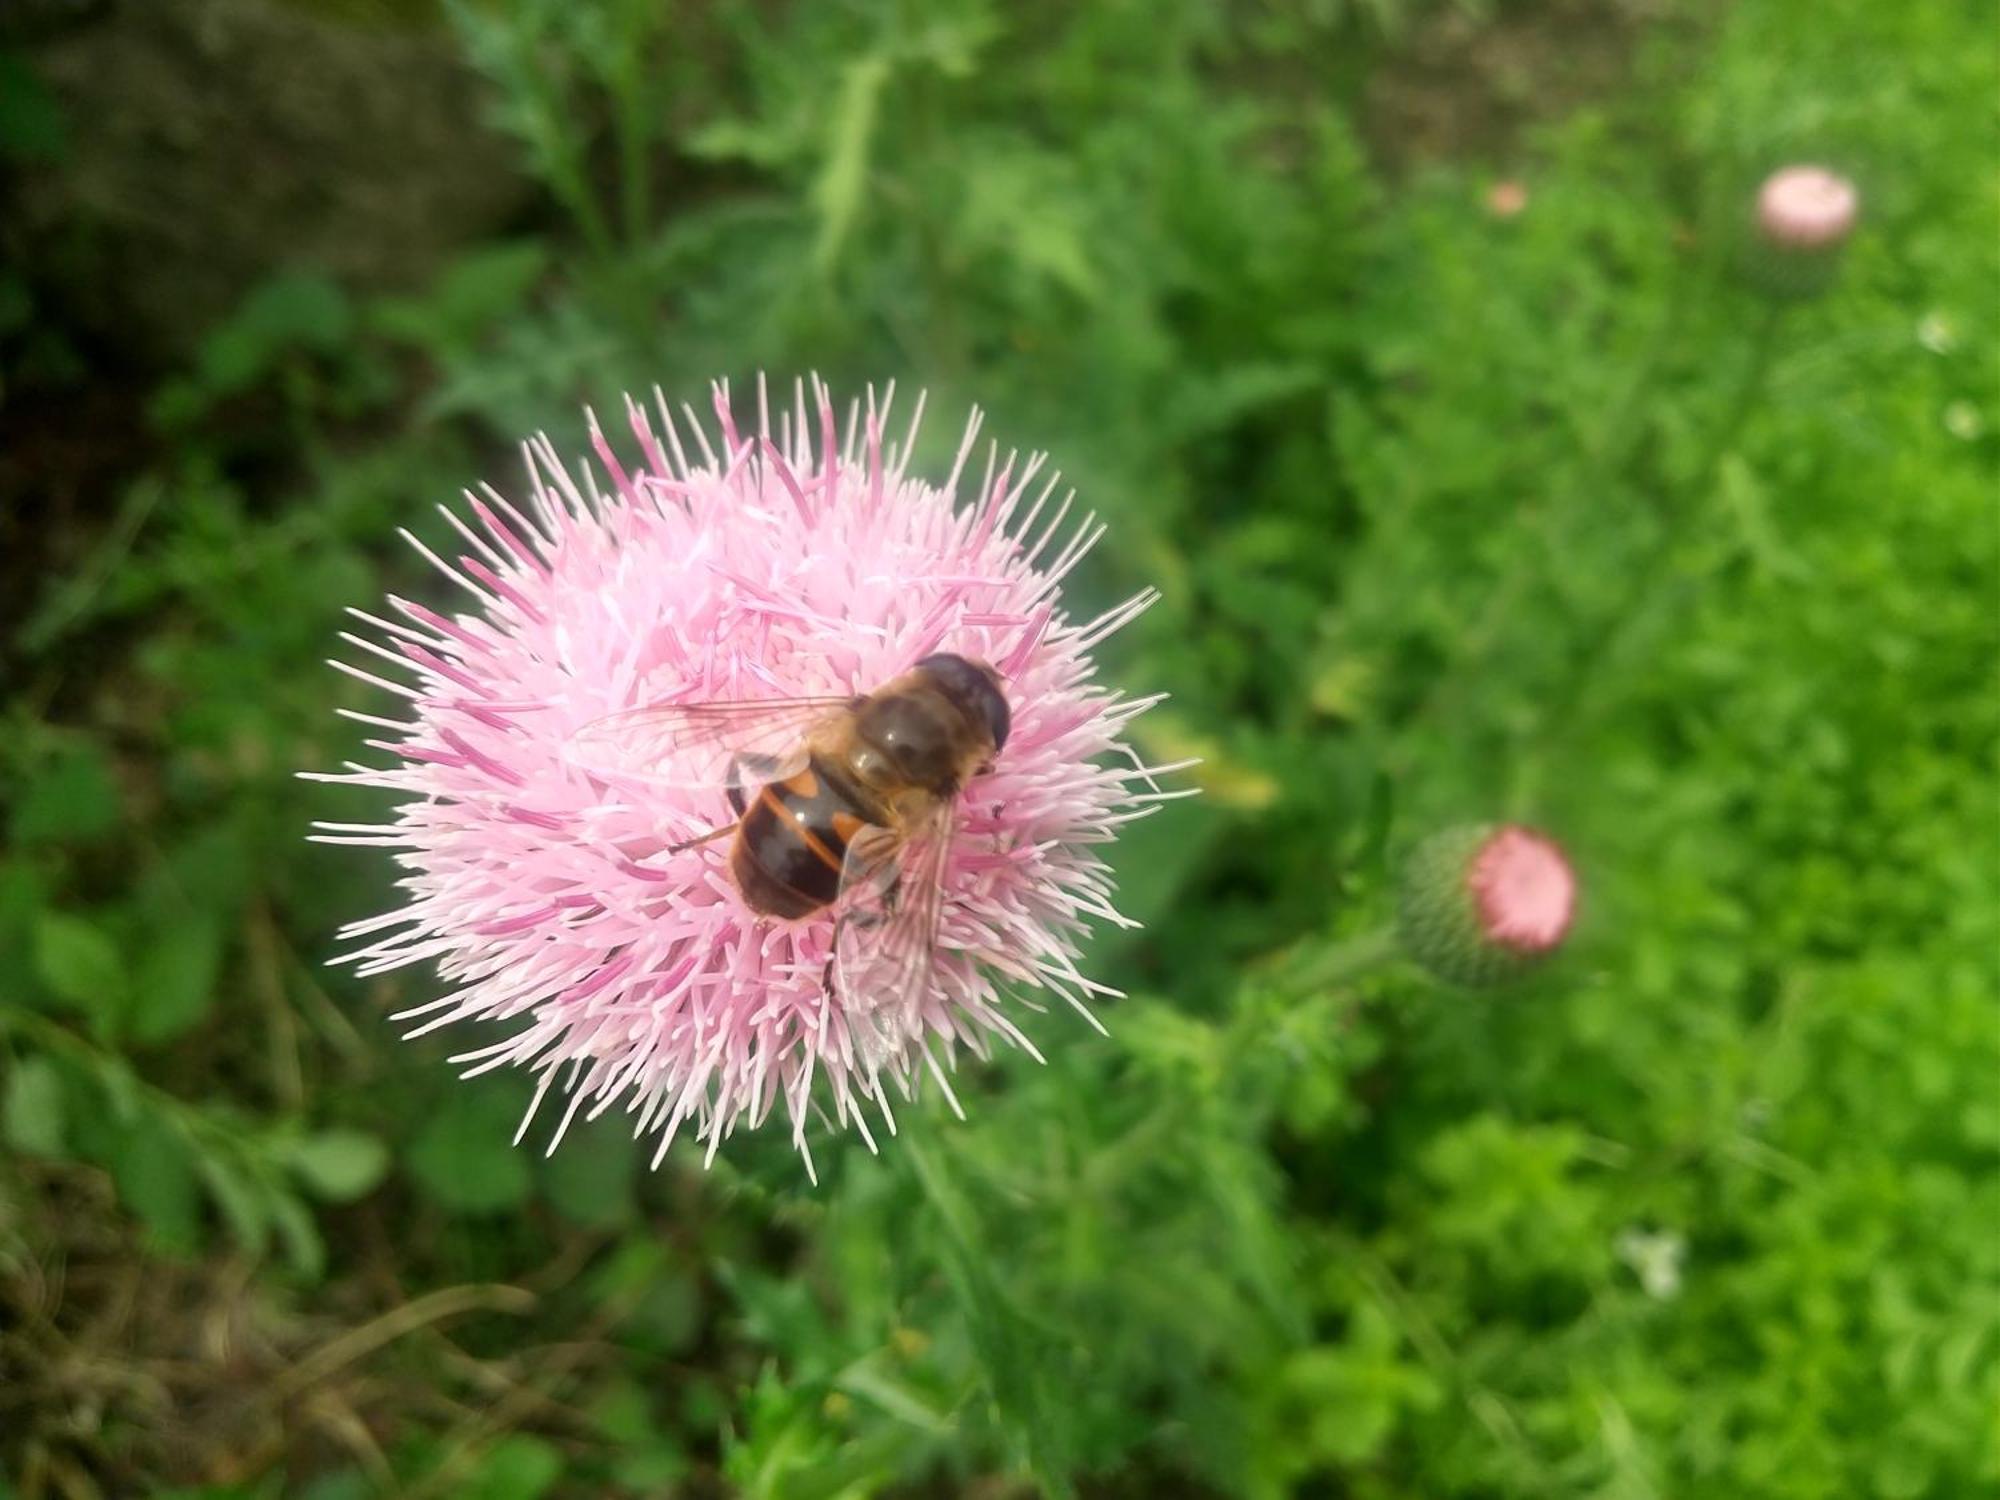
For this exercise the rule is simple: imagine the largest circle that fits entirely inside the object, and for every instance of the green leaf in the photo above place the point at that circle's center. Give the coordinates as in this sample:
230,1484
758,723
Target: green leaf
465,1158
843,180
32,1118
243,1206
344,1484
654,1470
1013,1352
589,1179
23,895
298,307
211,869
650,1459
660,1293
17,304
515,1468
153,1167
72,797
31,121
293,310
1022,205
175,985
339,1165
80,963
489,283
303,1246
474,293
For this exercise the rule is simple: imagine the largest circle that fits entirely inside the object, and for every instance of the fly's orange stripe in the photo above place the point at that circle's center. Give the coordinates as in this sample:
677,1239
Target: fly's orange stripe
769,797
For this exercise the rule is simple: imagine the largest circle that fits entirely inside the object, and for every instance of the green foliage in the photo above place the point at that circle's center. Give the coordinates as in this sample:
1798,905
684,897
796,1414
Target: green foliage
174,1163
31,120
1460,516
464,1157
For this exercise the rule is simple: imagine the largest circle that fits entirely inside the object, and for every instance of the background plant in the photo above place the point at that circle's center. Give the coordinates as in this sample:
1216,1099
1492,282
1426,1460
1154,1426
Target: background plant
1459,515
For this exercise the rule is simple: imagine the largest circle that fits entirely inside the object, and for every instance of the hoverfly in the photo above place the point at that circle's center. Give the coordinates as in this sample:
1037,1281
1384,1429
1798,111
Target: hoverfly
846,802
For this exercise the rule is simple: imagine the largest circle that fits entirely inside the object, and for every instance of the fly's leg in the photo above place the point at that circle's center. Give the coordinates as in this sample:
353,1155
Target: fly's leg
873,1032
701,838
861,919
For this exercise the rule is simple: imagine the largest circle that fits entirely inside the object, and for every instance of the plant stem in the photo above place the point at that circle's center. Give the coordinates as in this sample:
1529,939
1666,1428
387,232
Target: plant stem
119,1079
1747,396
1665,594
1602,459
1353,958
1259,1024
629,103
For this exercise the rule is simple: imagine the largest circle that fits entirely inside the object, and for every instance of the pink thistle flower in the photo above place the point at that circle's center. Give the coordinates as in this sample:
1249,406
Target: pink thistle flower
1480,905
775,563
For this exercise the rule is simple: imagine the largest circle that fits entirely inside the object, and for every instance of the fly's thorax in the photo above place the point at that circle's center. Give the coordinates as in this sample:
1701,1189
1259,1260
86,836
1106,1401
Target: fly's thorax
913,736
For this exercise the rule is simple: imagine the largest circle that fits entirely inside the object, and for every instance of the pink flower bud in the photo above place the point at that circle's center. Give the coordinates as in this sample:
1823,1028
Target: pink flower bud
1807,209
1507,199
1481,905
1793,241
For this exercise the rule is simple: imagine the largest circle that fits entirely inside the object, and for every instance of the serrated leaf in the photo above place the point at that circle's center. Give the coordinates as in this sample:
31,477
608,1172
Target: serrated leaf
1022,204
339,1165
32,1119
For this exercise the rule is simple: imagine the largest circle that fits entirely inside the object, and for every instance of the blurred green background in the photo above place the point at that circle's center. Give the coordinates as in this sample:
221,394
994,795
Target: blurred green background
1405,346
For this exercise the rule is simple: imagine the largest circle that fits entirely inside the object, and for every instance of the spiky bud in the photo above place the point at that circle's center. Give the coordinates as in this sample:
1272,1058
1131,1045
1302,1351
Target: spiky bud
1484,904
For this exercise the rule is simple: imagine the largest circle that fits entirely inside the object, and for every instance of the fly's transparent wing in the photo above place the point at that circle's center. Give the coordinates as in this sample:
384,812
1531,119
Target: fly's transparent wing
703,745
886,942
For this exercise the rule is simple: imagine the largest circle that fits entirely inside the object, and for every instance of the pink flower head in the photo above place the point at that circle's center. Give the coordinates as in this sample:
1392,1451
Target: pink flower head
773,562
1524,890
1805,208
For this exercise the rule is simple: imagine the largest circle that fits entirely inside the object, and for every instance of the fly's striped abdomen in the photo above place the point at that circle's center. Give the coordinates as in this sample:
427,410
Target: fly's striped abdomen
793,840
